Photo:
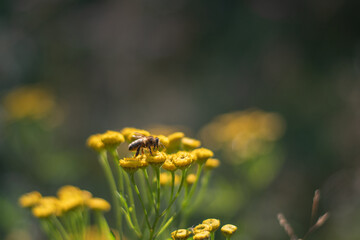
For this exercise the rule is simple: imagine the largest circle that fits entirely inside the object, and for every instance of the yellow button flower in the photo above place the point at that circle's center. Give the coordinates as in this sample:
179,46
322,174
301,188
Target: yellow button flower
98,204
228,230
205,235
46,207
112,139
131,164
157,159
163,140
175,141
201,228
189,144
94,142
190,179
202,154
128,133
182,159
180,234
29,199
212,163
168,164
213,223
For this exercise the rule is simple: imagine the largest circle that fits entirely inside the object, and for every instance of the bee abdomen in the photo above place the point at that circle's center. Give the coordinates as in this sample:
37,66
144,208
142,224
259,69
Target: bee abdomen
135,144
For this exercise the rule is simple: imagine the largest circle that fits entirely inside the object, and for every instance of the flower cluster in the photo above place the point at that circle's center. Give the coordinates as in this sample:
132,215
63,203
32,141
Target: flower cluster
245,134
67,215
164,174
204,231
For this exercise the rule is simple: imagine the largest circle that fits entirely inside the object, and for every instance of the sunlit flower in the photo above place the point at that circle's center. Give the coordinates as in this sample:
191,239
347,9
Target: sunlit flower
168,164
128,133
157,159
202,154
30,199
228,230
212,163
190,179
201,228
204,235
112,139
70,203
189,144
98,204
131,164
163,140
180,234
175,141
69,191
182,159
33,102
213,223
46,207
94,142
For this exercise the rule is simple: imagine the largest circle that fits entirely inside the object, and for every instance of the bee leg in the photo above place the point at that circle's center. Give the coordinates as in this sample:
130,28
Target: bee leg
137,151
150,150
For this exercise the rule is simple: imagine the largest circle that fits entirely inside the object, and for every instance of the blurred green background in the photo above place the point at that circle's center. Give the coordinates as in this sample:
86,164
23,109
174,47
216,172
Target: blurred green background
111,64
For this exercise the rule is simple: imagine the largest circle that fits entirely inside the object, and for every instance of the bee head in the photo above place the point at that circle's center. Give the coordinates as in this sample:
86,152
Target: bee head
157,141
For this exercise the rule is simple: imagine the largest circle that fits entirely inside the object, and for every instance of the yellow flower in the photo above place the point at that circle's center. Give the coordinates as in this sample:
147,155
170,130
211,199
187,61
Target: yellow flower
201,228
202,154
157,159
213,223
71,202
69,191
182,159
129,133
190,179
112,139
33,102
212,163
175,141
86,195
189,143
46,207
163,140
168,164
165,178
205,235
228,230
98,204
131,164
94,142
180,234
30,199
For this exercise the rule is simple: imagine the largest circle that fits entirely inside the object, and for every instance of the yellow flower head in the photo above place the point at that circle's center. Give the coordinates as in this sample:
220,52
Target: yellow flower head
70,203
157,159
190,179
180,234
202,154
112,139
212,163
98,204
204,235
143,161
69,191
189,144
201,228
168,164
175,140
163,140
131,164
228,230
29,199
33,102
94,142
165,178
86,195
46,207
213,223
183,159
129,133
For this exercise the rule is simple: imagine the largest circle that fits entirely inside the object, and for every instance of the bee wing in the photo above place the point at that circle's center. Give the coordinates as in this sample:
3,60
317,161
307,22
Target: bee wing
138,135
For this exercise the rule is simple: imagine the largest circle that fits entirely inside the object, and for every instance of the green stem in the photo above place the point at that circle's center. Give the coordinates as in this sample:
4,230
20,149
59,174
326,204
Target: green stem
60,227
110,178
172,186
193,187
132,208
141,200
103,226
212,235
151,193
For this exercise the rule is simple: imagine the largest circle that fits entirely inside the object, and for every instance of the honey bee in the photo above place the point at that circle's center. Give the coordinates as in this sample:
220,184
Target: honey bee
143,141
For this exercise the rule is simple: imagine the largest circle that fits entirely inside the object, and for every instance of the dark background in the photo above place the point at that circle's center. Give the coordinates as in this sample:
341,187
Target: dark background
112,64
